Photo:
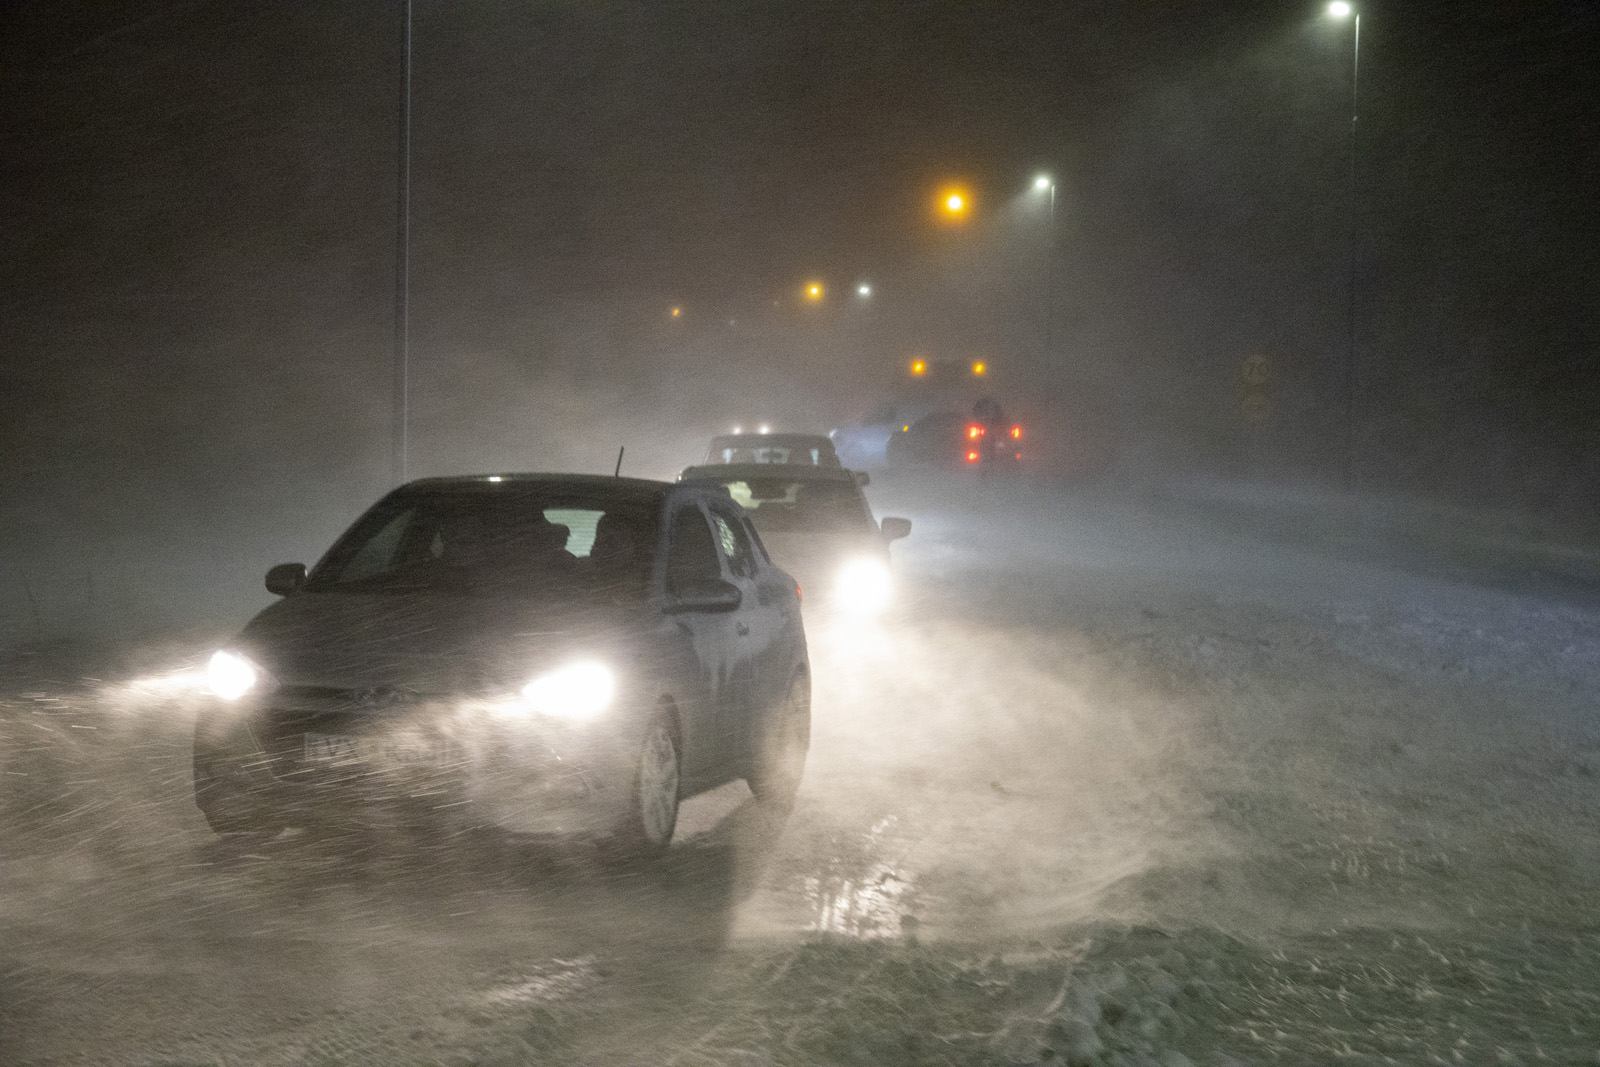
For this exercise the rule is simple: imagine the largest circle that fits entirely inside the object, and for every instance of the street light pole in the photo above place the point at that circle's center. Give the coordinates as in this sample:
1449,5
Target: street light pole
1342,9
402,266
1050,278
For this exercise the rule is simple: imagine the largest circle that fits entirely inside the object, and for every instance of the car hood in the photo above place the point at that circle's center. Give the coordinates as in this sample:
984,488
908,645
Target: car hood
427,642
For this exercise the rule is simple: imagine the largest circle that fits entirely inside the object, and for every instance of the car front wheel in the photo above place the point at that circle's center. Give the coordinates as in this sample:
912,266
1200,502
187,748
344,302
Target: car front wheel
230,806
652,815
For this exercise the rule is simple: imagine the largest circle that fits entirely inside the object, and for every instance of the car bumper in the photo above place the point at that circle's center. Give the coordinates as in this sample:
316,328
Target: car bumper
451,762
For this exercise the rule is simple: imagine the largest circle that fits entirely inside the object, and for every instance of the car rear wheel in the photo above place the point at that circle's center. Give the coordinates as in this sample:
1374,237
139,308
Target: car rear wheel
652,816
781,748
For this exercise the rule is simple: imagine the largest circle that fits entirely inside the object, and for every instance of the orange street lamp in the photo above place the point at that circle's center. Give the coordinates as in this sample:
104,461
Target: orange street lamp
953,205
814,291
919,367
980,368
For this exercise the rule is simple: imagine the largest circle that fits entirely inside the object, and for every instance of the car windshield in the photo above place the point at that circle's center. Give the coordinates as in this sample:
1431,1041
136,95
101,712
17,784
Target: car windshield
807,453
501,541
782,505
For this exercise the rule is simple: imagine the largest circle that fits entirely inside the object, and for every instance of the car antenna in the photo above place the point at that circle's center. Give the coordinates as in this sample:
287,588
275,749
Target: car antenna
618,472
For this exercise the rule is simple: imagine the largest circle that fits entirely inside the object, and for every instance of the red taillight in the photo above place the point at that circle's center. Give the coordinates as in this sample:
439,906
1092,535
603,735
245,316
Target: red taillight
972,457
799,594
975,431
1016,433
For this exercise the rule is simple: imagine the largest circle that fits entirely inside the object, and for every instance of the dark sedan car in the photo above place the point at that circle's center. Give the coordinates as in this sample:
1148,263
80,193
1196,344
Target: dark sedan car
817,525
543,653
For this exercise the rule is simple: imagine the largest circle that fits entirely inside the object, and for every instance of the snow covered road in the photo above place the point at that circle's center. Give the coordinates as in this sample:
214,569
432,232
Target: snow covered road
1115,784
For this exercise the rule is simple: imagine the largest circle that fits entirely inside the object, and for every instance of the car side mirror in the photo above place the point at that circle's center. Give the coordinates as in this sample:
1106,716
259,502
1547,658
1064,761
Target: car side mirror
285,578
862,478
894,528
713,594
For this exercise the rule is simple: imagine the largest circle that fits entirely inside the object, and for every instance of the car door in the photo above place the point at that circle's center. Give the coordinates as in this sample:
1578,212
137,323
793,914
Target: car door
781,591
692,560
758,626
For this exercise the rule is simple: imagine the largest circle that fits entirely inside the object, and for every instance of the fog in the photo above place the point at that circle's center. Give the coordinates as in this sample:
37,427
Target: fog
1205,703
200,221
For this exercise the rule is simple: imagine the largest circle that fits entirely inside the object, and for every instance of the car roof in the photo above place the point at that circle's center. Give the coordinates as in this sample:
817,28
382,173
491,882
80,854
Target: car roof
640,489
735,472
937,418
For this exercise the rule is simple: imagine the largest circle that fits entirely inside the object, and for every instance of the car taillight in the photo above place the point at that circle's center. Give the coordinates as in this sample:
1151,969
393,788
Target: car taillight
972,457
1016,433
975,431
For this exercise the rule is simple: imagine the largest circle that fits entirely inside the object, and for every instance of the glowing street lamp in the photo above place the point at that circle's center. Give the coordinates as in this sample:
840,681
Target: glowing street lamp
677,312
980,368
953,204
863,290
1340,10
919,367
814,292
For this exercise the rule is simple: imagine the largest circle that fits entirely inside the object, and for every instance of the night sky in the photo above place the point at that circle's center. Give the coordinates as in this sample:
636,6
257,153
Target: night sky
197,204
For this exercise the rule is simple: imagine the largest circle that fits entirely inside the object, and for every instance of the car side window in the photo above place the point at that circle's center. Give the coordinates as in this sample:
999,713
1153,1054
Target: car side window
692,554
735,546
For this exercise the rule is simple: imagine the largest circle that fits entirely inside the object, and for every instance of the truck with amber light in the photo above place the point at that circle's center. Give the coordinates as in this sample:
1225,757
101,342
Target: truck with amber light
946,416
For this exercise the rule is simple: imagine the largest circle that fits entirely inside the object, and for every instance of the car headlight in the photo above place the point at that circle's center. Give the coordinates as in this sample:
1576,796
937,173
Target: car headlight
230,676
863,586
576,692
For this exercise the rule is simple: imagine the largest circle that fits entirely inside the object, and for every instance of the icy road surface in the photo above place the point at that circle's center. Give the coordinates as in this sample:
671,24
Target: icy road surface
1115,785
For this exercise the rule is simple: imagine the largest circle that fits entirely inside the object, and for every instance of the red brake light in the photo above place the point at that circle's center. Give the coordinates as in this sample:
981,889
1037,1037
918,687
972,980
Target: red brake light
972,457
975,431
1016,433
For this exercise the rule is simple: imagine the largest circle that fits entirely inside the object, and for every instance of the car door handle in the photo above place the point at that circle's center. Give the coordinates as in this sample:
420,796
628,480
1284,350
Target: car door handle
742,629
